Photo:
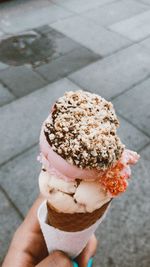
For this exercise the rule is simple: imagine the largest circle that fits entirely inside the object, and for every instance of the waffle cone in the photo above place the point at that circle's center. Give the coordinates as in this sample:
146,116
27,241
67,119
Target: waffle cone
73,222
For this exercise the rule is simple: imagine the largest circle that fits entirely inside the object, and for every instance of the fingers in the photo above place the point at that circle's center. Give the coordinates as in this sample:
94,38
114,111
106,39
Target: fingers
56,259
88,252
28,240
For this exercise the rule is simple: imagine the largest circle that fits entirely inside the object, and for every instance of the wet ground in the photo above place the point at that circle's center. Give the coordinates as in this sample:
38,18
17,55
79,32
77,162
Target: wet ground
48,47
28,48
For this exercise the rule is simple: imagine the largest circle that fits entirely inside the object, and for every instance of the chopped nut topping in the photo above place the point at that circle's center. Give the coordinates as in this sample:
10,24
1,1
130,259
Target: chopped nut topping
82,129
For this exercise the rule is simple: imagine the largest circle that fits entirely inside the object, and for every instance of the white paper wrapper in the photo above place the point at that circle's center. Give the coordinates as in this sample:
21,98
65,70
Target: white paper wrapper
72,243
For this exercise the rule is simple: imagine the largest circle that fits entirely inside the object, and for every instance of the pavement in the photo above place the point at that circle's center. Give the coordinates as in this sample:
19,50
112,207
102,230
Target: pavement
48,47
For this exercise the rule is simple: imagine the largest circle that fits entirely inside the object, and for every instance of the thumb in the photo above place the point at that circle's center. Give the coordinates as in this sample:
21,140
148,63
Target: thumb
55,259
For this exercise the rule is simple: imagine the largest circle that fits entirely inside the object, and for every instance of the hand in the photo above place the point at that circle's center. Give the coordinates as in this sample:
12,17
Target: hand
28,248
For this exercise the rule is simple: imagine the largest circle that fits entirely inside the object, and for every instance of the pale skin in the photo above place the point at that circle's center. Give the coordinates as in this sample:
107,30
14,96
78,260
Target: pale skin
28,249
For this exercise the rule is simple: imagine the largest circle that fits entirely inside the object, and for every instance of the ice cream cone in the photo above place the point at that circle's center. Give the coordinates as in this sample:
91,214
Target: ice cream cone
84,166
73,222
71,243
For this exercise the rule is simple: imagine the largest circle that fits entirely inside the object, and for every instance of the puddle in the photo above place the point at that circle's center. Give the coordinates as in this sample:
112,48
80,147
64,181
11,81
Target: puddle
29,48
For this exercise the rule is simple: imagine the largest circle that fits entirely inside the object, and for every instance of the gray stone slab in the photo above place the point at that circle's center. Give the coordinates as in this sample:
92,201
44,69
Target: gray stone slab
91,35
21,80
78,6
14,18
114,74
5,95
125,233
44,29
135,106
9,221
61,43
146,43
3,66
21,120
145,1
130,136
70,62
1,33
18,5
115,11
19,178
135,28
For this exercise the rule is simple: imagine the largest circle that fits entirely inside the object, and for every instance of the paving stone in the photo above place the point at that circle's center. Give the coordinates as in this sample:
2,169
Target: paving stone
3,66
130,136
5,95
1,33
65,45
18,5
21,120
21,80
70,62
114,74
135,28
19,178
145,1
146,43
125,233
15,19
78,6
9,221
55,34
115,11
62,44
135,106
44,29
91,35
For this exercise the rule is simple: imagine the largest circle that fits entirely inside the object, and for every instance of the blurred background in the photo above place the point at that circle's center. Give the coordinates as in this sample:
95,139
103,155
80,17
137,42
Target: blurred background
48,47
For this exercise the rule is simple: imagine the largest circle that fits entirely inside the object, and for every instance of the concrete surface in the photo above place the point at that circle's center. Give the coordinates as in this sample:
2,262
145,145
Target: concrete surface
100,46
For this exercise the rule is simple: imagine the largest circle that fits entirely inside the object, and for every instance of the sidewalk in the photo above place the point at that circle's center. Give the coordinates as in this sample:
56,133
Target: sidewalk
48,47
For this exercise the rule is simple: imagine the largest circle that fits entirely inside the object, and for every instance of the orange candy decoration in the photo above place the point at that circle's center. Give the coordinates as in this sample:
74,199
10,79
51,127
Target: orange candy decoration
114,181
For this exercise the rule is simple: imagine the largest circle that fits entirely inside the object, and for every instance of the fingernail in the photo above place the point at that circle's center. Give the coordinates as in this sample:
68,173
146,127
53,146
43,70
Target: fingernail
74,264
90,262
